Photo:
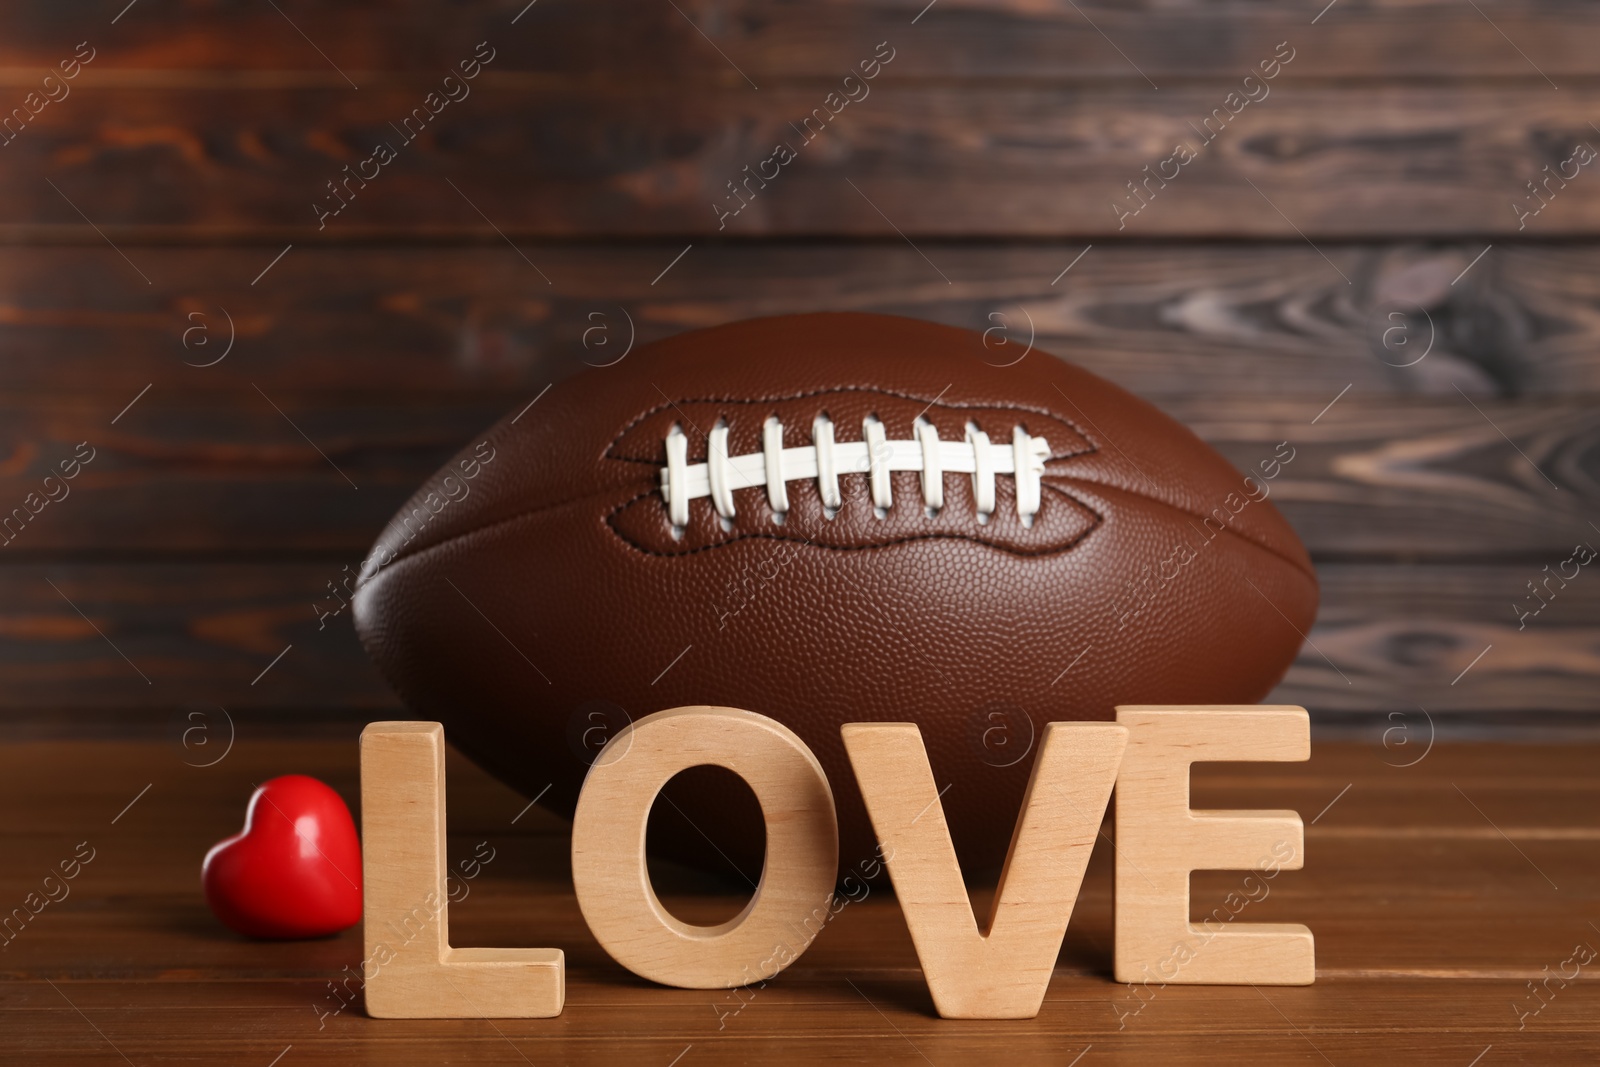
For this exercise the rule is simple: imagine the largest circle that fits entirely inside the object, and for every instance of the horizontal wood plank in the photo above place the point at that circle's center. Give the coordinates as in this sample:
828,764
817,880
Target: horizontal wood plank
242,472
1402,160
184,636
247,470
1097,39
1239,319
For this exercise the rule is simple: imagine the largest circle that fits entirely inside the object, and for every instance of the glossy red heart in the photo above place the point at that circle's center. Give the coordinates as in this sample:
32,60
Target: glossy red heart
295,869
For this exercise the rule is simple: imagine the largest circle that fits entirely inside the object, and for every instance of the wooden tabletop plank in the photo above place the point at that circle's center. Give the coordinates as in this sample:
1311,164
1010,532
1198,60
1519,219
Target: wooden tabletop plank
132,960
1276,1028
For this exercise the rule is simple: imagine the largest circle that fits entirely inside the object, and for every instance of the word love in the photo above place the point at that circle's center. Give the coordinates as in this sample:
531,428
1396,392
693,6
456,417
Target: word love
995,970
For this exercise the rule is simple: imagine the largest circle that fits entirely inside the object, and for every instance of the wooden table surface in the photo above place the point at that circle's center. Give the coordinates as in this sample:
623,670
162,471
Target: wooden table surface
1436,892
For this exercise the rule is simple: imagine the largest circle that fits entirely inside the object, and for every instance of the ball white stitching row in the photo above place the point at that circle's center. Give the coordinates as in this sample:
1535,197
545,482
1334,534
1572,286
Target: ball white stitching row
876,456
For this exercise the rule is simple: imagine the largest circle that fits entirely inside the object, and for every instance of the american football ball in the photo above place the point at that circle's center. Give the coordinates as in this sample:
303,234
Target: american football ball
826,519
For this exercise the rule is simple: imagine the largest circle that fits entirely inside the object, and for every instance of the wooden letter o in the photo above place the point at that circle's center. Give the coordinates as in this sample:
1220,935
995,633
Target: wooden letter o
608,838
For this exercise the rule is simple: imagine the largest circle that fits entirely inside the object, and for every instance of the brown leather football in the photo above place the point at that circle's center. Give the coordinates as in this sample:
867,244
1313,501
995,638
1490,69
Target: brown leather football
828,519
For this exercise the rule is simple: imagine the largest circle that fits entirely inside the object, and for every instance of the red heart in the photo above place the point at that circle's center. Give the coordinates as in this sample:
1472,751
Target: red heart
294,871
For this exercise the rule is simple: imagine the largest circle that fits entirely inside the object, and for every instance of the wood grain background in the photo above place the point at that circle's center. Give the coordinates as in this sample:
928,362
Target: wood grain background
1359,215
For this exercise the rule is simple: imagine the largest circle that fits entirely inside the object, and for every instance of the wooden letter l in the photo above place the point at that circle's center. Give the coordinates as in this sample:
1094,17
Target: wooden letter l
410,970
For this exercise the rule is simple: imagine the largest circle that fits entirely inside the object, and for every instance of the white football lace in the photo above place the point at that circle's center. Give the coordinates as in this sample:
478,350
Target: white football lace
875,456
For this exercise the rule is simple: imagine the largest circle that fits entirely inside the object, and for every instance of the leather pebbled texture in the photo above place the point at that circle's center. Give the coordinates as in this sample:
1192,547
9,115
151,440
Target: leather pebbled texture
540,604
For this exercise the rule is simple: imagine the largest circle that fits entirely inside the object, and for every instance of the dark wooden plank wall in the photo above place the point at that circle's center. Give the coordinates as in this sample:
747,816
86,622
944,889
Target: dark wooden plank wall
1333,231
